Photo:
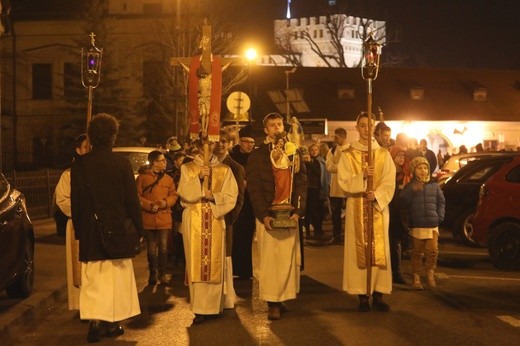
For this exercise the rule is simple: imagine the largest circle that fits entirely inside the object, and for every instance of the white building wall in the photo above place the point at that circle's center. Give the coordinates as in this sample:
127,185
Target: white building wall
287,33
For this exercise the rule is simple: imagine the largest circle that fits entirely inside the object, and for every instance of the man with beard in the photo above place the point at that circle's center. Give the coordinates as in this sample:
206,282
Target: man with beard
204,232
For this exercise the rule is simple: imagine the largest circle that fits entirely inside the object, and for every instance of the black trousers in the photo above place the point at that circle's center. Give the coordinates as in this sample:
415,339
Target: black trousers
336,203
314,210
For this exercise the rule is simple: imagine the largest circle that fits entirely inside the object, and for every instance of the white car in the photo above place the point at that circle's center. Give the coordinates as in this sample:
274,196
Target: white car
138,156
456,162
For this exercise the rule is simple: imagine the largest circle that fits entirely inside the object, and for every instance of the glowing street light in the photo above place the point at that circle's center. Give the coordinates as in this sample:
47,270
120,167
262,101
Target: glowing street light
251,54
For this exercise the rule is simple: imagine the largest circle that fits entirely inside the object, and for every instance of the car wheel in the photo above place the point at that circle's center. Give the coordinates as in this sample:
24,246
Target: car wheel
23,285
463,228
504,245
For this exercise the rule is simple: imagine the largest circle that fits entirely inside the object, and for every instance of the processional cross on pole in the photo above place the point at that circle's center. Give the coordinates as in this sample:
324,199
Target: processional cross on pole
204,91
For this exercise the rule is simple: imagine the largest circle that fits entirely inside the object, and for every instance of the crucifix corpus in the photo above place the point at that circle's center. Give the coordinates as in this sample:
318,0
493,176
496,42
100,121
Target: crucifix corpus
204,92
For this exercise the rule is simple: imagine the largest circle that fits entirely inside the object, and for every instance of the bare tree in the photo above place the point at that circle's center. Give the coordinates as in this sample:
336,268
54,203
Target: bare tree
327,37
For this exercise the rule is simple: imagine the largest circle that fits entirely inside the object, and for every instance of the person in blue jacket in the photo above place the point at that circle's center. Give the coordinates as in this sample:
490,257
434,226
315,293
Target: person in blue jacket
423,202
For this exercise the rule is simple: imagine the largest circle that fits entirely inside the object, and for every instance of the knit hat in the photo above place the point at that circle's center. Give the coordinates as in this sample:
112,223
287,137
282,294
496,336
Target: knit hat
394,150
419,160
246,132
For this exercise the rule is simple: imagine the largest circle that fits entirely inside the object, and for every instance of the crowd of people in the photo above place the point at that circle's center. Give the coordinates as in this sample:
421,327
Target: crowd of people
206,205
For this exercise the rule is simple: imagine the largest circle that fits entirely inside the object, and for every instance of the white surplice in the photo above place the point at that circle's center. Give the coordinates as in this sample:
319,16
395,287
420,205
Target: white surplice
63,201
108,290
354,278
280,262
208,298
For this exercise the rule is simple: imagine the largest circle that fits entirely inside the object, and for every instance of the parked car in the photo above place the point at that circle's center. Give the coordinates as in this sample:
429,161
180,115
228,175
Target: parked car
497,219
138,156
456,162
16,243
462,192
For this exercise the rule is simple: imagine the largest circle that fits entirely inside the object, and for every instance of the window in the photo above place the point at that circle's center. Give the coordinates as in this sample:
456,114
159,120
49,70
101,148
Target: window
514,175
42,81
71,75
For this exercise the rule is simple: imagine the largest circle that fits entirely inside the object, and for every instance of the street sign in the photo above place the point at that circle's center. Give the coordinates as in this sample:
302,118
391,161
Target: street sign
238,103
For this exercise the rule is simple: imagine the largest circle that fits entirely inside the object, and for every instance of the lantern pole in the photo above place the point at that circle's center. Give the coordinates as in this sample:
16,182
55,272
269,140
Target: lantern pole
90,73
369,72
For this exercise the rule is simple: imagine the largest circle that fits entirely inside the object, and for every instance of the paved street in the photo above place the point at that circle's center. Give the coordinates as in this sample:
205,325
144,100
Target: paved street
475,304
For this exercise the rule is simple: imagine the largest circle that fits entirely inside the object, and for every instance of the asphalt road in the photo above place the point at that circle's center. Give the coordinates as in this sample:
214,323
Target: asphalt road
474,304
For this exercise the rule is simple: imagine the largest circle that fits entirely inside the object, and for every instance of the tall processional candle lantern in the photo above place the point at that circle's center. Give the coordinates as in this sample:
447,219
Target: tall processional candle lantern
369,71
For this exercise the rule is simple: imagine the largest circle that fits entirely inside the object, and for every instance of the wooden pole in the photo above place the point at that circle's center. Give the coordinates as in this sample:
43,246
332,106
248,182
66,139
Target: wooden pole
89,113
370,187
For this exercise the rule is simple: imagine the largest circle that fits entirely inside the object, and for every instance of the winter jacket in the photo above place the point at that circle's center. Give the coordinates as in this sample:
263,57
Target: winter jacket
424,208
151,193
102,182
260,183
332,161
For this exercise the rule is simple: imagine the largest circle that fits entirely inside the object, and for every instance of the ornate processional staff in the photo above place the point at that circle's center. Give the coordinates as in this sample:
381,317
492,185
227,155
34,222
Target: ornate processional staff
369,72
90,78
204,93
91,71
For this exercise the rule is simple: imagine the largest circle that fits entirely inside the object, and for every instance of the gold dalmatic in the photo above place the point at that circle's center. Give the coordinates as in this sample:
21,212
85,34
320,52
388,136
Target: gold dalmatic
358,160
207,233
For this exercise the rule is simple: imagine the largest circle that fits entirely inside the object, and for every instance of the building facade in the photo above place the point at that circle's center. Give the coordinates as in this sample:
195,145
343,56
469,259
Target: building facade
42,54
312,38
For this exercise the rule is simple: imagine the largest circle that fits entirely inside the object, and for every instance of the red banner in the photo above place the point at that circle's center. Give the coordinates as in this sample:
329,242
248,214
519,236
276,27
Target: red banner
215,99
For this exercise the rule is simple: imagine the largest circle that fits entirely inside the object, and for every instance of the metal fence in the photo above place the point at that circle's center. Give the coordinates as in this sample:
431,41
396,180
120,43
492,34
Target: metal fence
38,188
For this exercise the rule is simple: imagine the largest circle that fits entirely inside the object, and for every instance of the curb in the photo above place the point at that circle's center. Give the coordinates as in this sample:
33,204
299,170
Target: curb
38,305
29,311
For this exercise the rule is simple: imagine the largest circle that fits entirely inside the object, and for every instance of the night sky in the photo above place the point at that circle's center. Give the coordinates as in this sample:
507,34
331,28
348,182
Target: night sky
431,33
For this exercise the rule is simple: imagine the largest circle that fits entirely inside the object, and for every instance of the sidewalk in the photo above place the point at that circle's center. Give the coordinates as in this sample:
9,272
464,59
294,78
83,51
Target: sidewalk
50,282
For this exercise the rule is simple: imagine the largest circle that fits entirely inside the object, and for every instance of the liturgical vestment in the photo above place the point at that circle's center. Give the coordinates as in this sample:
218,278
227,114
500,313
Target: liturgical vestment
209,274
350,179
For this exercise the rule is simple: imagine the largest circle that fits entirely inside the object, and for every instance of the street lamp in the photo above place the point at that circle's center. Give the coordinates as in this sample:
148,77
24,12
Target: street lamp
369,71
91,70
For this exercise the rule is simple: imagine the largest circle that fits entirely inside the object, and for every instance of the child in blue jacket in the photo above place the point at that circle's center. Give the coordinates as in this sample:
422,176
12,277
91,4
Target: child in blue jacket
424,204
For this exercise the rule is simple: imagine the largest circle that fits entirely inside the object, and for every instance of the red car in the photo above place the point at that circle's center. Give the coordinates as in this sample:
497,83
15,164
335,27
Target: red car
497,220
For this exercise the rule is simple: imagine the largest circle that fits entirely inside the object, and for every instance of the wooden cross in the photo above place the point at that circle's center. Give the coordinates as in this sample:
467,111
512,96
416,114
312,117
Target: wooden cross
206,85
205,68
206,53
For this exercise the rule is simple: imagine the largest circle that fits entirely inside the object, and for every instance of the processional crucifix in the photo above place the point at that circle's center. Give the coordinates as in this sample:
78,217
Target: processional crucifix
204,92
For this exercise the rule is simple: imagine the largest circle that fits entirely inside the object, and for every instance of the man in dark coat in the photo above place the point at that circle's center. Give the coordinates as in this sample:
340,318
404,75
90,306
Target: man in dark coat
429,155
221,152
103,187
244,227
279,249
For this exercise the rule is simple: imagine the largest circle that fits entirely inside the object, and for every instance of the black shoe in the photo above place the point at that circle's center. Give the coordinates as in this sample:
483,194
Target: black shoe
378,302
152,279
283,308
94,331
114,330
274,313
364,306
199,319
